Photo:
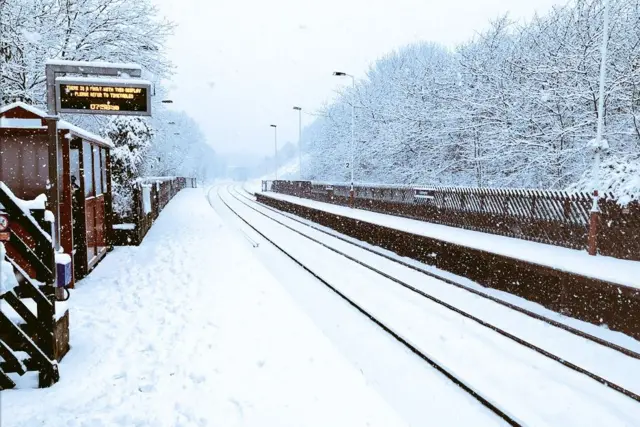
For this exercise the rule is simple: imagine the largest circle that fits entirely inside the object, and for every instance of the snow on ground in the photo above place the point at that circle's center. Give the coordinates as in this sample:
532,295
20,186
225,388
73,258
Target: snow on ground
600,331
528,386
412,387
616,367
610,269
189,329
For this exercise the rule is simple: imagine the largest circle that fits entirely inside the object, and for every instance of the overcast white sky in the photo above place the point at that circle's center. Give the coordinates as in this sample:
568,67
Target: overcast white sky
243,64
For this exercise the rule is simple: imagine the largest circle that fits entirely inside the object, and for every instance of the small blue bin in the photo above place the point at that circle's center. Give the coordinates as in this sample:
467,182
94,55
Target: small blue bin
64,274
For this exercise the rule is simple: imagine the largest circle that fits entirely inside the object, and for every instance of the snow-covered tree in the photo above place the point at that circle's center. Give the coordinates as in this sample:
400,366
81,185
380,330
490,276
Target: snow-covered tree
32,31
132,139
516,106
179,148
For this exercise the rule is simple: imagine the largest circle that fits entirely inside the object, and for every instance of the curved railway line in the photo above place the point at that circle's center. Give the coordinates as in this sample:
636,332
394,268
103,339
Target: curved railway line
459,382
493,406
560,325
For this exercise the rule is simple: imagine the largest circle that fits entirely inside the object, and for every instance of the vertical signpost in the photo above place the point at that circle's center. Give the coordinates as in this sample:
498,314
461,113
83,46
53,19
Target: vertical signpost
123,93
4,237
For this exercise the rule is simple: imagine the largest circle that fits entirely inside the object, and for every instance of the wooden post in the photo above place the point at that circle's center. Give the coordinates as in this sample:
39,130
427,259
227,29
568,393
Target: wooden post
53,196
594,220
66,216
48,375
82,268
155,207
108,200
137,212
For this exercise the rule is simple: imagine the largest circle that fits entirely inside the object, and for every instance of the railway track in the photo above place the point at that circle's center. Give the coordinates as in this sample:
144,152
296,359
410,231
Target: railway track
501,412
467,315
560,325
509,419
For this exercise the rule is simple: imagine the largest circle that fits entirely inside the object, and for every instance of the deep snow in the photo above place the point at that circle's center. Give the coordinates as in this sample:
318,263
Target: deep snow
601,331
608,363
189,329
412,387
534,389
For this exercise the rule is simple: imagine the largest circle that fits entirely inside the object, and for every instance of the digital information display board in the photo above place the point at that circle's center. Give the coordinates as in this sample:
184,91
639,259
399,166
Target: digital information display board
103,96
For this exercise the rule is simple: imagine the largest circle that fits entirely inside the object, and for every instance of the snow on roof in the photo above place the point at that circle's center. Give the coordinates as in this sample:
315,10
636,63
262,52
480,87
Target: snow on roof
102,80
30,108
21,123
84,134
92,64
62,124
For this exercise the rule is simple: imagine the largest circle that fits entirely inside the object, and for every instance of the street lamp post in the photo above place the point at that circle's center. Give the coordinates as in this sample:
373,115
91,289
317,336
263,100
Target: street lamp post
275,139
599,144
299,141
352,164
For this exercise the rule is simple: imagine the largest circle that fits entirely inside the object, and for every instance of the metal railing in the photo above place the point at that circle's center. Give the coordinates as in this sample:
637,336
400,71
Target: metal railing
554,217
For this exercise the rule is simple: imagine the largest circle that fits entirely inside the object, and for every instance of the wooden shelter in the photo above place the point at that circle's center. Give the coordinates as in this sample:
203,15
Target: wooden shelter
84,175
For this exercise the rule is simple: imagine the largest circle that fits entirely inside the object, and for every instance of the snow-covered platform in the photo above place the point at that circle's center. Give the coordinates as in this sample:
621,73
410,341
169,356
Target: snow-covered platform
190,329
621,272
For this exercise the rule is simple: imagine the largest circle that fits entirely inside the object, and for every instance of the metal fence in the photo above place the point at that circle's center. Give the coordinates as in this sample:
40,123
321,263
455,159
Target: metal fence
553,217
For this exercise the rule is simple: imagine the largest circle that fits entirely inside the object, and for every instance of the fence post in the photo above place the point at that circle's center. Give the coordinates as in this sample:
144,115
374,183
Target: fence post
155,201
138,211
46,339
594,220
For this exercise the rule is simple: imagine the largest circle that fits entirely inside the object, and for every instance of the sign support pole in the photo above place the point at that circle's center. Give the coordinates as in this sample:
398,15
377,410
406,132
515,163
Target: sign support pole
52,68
53,196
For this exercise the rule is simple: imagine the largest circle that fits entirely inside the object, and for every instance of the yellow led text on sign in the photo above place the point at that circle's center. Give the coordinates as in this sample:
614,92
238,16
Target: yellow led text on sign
105,107
103,92
104,97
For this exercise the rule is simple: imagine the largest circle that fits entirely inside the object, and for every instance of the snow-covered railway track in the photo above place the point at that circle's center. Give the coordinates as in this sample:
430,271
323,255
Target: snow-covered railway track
559,359
580,333
485,402
467,315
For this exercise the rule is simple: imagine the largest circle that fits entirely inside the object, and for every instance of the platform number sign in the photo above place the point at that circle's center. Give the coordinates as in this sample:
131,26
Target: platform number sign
4,227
